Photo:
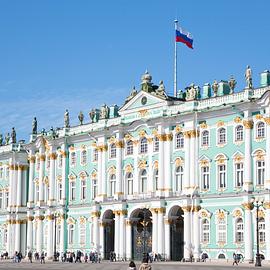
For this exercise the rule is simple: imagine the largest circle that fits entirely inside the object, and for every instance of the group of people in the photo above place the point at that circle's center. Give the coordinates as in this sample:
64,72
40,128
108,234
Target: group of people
71,257
144,265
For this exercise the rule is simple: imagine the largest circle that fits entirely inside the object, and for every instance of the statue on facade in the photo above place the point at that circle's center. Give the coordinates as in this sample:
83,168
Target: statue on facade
1,139
232,84
92,115
215,88
66,119
34,126
161,90
191,92
132,94
13,135
248,77
81,117
104,112
7,139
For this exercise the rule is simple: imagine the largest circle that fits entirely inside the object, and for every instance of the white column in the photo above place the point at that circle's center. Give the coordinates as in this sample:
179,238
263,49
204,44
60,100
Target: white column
161,231
50,235
96,230
116,234
192,158
122,236
150,182
40,232
187,229
167,236
136,170
15,184
167,164
187,162
101,239
29,244
23,238
161,166
64,174
248,185
103,172
267,156
248,233
128,240
154,231
196,233
11,181
19,185
41,174
8,248
18,235
267,230
119,183
62,233
99,172
32,159
52,194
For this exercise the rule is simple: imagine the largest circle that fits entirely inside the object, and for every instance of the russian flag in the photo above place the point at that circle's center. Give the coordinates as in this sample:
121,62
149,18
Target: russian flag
184,37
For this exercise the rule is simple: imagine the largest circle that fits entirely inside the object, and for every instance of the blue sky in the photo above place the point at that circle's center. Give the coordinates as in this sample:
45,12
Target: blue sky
79,54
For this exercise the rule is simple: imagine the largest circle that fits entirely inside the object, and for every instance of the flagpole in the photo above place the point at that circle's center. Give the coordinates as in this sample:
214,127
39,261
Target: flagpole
175,60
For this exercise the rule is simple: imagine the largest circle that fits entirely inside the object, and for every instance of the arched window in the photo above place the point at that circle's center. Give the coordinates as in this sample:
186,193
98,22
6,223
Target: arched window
143,184
156,179
205,138
260,131
113,151
222,230
143,146
129,178
72,159
83,157
156,144
71,234
129,147
239,230
112,183
95,155
260,172
261,230
205,177
205,230
222,136
179,140
179,174
239,133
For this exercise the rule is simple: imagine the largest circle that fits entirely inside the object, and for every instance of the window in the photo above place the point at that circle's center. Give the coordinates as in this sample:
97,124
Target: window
156,179
112,185
222,231
60,191
113,151
239,230
58,234
71,234
205,138
1,199
7,172
129,183
222,136
83,190
1,172
179,140
260,172
83,157
6,199
72,187
205,177
72,159
95,155
239,174
205,231
156,144
82,233
60,161
129,147
261,230
143,146
94,193
260,130
179,174
239,133
221,176
143,186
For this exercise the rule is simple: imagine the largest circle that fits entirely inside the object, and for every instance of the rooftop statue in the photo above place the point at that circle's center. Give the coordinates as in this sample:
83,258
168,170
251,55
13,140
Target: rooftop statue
81,117
1,139
34,126
191,92
146,84
92,115
13,135
215,88
232,84
7,139
161,89
66,119
104,112
248,77
132,94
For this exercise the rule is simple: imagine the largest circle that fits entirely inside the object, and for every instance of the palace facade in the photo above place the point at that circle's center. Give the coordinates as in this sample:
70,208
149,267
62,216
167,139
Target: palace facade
174,175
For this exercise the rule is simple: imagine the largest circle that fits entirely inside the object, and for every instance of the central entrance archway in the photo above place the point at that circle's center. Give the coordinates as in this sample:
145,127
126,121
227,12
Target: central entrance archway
176,217
108,221
141,233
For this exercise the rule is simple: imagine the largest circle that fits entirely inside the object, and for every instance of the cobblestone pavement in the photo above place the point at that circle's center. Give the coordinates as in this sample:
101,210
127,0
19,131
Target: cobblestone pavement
124,266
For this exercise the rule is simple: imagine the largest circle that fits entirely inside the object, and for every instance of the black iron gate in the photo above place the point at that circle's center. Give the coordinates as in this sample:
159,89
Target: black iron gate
177,239
108,239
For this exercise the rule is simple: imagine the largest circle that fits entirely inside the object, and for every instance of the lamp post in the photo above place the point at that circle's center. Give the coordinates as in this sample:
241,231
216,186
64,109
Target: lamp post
257,203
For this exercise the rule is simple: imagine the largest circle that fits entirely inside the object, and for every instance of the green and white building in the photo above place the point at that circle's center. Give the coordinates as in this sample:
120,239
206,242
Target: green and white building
189,166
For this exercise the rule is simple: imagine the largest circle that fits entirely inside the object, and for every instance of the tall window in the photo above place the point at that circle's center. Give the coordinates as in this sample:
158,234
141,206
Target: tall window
221,136
60,161
72,189
239,133
129,183
205,230
94,192
82,233
260,172
72,159
156,179
113,151
205,177
1,172
83,189
143,186
129,147
260,130
60,191
239,174
6,199
1,199
179,140
156,144
239,230
143,146
205,138
71,234
222,176
179,174
222,231
84,157
7,172
261,230
95,155
112,185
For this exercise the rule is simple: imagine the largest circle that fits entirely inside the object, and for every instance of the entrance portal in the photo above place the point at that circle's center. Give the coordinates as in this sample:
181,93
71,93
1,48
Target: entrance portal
108,221
176,233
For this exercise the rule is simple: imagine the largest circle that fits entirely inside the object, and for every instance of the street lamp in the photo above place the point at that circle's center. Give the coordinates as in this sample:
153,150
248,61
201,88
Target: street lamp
257,203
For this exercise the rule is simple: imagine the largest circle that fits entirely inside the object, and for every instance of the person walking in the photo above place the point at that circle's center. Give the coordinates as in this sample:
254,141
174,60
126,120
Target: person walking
42,257
131,266
30,256
145,265
235,260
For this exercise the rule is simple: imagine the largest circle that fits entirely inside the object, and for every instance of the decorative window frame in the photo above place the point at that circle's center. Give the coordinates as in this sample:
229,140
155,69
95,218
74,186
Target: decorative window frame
112,172
94,178
218,144
236,214
205,147
83,177
205,214
112,151
156,144
221,159
83,150
175,141
235,126
258,155
178,162
71,163
257,120
237,157
140,181
219,215
261,214
72,179
204,161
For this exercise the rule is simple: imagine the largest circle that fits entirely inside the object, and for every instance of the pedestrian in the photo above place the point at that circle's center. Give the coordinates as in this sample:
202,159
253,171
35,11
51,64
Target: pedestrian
235,260
145,265
30,255
131,266
42,257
